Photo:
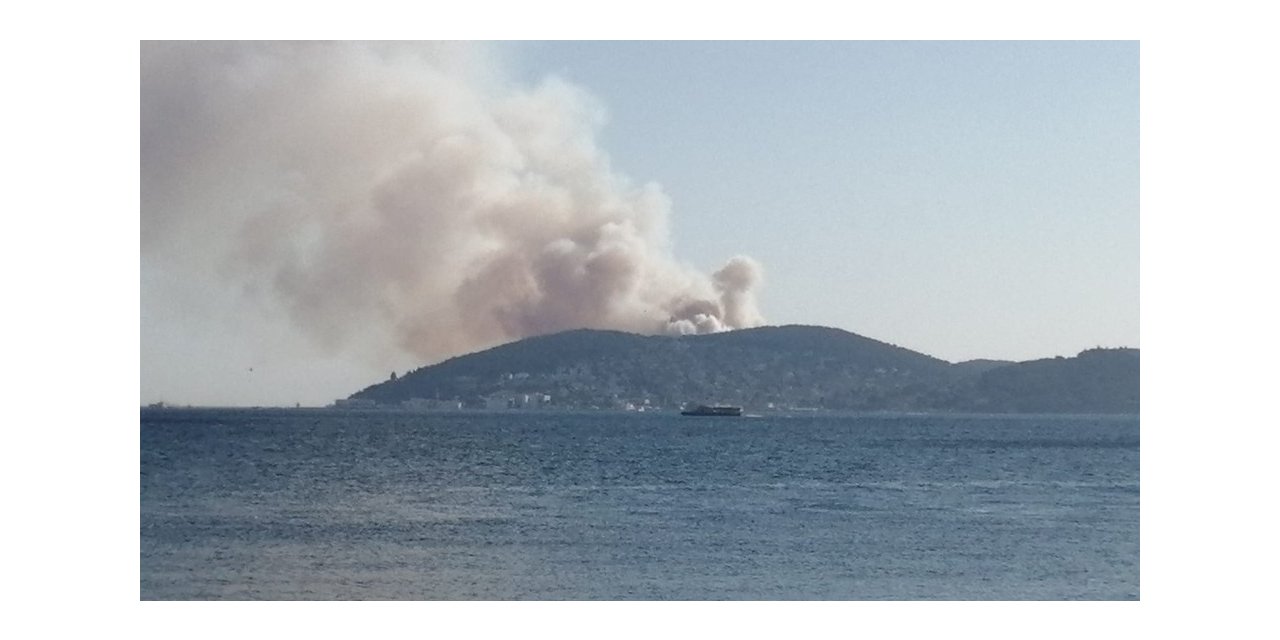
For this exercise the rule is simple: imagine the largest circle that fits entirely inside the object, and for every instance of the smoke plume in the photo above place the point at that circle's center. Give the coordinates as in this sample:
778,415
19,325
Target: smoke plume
402,193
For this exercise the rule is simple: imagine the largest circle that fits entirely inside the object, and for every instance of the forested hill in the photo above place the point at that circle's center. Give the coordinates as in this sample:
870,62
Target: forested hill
789,367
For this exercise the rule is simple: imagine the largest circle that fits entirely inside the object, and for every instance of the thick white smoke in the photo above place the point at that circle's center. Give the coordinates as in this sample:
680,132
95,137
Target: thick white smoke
401,191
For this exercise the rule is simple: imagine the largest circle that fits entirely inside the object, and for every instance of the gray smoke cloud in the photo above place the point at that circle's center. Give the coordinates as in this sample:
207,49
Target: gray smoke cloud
402,194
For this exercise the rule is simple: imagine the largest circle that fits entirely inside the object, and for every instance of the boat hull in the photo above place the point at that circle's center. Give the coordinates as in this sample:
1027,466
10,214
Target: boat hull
719,411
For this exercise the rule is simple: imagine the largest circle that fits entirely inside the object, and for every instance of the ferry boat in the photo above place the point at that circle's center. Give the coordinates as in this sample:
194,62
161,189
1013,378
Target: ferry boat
716,410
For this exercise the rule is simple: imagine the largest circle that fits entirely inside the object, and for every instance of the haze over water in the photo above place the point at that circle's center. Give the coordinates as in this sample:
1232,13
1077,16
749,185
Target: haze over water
241,504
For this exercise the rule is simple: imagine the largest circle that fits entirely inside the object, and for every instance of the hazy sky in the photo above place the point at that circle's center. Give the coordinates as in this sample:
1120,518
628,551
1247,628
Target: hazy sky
314,218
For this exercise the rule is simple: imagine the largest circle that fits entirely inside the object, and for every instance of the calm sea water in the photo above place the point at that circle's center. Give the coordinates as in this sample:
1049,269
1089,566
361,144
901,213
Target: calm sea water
242,504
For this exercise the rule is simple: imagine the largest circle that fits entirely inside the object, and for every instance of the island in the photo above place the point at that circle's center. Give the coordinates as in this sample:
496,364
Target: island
792,368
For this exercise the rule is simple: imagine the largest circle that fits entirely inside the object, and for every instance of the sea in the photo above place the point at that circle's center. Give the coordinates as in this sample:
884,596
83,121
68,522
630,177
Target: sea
310,504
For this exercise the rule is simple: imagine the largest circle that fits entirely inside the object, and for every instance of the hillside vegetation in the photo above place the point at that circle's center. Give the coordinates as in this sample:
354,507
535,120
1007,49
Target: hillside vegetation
781,368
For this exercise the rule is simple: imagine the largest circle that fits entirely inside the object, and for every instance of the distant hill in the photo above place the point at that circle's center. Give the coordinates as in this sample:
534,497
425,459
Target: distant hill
976,367
789,367
1095,381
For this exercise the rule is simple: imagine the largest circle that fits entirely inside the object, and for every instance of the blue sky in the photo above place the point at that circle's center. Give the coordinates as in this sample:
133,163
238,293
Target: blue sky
964,199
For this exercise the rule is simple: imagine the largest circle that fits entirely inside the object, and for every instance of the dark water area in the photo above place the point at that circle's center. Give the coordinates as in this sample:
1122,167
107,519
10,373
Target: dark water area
309,504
